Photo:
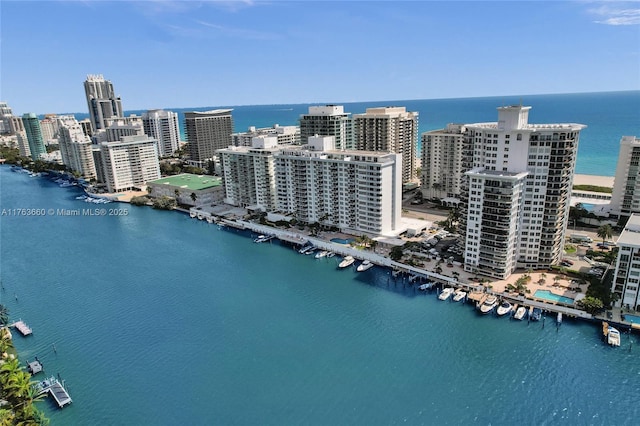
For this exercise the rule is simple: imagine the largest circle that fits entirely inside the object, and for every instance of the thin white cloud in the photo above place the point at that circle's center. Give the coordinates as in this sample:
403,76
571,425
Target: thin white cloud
617,13
240,32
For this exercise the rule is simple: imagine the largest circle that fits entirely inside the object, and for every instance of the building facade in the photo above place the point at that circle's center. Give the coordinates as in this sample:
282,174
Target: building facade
442,162
546,153
34,135
6,113
75,147
129,163
625,197
389,129
327,120
626,279
102,101
287,135
162,126
207,132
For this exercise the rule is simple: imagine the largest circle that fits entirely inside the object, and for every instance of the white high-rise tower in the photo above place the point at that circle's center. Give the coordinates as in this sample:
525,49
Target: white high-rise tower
101,101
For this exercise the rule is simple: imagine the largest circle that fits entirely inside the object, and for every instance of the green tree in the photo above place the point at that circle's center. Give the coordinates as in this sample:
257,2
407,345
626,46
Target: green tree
396,253
591,305
605,232
4,315
194,197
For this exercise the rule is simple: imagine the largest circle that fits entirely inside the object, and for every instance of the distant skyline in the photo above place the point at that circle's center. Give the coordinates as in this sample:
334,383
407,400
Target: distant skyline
180,54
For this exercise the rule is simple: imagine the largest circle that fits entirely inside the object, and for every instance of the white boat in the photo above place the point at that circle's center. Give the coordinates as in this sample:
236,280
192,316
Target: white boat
330,254
364,266
193,214
504,308
321,254
488,305
346,261
613,337
305,249
559,318
209,219
521,312
446,292
260,239
459,295
426,286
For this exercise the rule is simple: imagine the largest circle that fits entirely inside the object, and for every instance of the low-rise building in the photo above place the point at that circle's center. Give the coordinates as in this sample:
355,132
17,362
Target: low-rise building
189,189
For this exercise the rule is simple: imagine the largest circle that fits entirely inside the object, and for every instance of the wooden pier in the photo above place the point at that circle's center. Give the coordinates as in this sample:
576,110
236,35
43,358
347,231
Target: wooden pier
22,328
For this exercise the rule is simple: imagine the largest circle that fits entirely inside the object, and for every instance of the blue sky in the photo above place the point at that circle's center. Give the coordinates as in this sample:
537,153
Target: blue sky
162,54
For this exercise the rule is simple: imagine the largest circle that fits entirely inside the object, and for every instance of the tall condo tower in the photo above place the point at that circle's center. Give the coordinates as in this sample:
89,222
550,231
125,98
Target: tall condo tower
389,129
34,135
442,163
75,147
102,101
625,198
516,192
328,120
162,126
207,132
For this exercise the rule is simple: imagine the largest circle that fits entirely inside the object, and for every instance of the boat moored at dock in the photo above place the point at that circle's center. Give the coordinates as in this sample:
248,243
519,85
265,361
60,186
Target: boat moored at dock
346,261
489,304
459,295
366,264
521,312
445,293
504,308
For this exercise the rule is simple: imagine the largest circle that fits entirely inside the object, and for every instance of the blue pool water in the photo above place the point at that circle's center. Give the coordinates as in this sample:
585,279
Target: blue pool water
547,295
632,318
342,241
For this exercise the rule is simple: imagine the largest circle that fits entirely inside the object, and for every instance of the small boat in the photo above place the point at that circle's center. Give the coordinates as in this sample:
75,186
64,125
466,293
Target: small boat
613,337
209,219
559,318
536,314
521,312
193,214
330,254
504,308
445,293
426,286
346,261
488,305
459,295
261,239
305,249
321,254
364,266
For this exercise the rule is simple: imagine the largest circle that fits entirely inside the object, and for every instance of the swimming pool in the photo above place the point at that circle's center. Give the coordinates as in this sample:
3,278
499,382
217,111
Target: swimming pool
547,295
342,241
632,318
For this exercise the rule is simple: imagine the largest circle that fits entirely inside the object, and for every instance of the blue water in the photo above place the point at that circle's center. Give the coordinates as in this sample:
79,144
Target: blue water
342,241
547,295
632,318
609,116
159,319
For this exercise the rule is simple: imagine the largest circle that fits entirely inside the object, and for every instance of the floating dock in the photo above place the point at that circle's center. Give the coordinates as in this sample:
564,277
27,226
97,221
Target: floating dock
22,328
34,367
53,387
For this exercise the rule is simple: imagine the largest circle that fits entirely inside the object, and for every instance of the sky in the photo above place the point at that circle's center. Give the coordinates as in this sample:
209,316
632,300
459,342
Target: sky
182,54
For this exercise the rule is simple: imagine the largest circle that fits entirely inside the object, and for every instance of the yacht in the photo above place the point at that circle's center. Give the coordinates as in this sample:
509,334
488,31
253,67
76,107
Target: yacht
613,336
321,254
521,312
446,292
346,261
536,314
261,239
488,305
364,266
459,295
504,308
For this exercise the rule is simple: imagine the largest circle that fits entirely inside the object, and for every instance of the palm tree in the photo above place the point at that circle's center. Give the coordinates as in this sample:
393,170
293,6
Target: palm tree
605,232
194,197
4,315
373,245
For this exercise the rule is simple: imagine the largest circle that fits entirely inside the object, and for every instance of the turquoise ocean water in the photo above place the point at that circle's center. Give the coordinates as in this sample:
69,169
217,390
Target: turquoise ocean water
160,319
609,116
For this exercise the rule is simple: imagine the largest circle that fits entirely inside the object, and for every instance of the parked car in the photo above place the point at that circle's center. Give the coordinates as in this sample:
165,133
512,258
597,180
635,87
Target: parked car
567,261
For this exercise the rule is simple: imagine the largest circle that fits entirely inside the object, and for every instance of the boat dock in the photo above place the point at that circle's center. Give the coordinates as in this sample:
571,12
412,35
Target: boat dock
35,367
22,328
53,387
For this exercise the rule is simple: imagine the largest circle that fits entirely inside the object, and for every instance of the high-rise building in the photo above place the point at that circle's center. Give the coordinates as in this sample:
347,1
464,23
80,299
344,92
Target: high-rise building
626,280
328,120
625,197
442,163
101,101
287,135
23,142
207,132
162,126
516,192
389,129
117,128
34,135
75,147
130,163
5,118
49,128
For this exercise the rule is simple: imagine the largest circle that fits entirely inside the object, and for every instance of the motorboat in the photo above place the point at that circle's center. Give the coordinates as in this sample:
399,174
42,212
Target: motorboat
613,336
364,266
504,308
536,314
346,261
330,254
521,312
260,239
305,249
426,286
459,295
321,254
488,305
445,293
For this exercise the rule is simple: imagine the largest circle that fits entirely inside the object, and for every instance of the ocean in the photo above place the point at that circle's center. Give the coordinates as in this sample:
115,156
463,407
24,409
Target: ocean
608,117
155,318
